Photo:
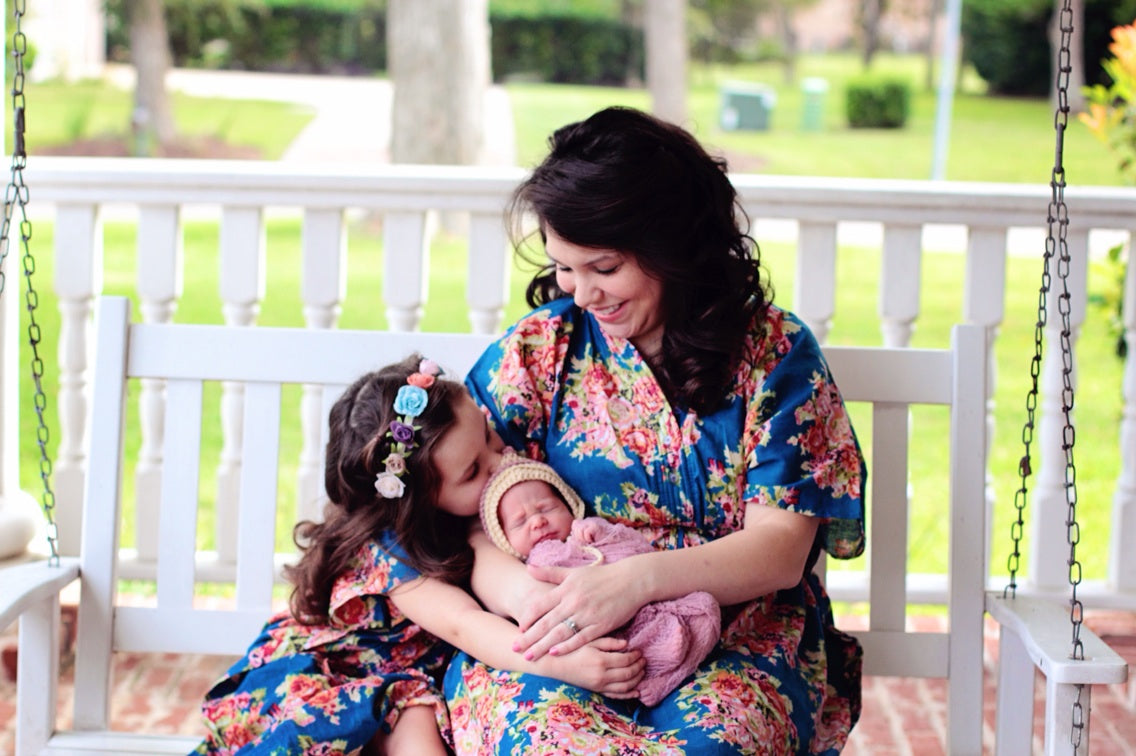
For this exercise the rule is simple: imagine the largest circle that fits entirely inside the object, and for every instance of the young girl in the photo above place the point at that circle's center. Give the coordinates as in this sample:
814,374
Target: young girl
353,666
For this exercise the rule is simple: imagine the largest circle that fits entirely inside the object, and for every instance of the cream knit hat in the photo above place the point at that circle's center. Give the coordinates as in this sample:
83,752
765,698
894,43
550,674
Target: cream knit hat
516,469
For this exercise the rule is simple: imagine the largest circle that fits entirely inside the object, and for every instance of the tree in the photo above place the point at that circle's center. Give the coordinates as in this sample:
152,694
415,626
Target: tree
438,61
666,47
871,14
152,120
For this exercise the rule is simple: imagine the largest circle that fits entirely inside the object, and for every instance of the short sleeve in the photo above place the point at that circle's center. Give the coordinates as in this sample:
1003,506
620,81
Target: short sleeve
517,379
801,451
379,568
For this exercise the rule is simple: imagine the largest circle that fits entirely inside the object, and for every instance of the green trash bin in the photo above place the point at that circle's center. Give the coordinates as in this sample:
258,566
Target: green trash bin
745,106
813,91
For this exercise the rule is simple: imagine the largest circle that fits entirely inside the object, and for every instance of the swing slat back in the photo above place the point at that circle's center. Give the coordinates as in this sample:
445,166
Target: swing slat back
894,381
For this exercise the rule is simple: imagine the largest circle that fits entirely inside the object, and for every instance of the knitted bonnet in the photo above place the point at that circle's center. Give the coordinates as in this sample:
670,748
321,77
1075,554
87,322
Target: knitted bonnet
516,469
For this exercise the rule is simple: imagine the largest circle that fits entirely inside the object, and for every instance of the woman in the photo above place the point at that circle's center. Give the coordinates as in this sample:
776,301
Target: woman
658,378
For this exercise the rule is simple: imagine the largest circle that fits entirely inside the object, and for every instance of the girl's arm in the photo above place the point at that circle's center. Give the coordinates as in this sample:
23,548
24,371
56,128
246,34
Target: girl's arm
500,581
451,614
768,554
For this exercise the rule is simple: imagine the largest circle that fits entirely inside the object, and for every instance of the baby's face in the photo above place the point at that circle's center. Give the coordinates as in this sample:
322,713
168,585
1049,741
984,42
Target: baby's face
532,511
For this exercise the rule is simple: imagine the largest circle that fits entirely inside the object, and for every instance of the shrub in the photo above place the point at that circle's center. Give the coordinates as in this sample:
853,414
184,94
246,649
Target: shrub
1008,41
877,103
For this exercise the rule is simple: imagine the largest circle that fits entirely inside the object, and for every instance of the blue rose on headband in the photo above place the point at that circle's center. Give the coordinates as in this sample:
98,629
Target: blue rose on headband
410,401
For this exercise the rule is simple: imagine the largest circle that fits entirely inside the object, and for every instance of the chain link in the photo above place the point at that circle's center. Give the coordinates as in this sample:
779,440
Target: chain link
15,196
1056,247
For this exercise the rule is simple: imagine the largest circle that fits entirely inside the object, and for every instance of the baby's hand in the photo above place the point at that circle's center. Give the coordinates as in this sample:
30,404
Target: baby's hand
605,666
587,531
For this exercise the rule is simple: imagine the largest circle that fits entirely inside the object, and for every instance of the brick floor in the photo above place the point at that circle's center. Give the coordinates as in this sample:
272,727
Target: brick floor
902,717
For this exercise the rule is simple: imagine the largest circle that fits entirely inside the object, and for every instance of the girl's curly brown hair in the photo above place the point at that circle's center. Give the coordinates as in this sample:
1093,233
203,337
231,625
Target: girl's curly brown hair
358,444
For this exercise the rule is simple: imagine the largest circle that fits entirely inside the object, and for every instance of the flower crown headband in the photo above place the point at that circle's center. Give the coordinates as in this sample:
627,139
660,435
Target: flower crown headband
408,403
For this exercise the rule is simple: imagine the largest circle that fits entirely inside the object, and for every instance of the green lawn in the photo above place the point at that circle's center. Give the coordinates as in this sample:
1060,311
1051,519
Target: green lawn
992,138
60,114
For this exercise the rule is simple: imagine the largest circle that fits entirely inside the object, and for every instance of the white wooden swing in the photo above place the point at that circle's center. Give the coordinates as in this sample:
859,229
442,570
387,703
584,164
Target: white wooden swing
185,358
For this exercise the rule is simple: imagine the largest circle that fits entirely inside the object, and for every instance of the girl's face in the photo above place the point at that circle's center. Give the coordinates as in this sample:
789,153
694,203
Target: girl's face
464,458
626,301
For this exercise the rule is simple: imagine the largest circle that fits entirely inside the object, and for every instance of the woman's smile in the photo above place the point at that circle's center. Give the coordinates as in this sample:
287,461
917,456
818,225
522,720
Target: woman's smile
611,285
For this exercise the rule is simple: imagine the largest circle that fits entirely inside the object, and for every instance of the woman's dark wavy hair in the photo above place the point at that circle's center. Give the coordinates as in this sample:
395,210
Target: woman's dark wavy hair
358,444
625,180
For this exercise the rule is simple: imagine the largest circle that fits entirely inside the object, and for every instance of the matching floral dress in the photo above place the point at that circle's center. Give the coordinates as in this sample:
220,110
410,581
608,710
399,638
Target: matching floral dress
782,679
326,690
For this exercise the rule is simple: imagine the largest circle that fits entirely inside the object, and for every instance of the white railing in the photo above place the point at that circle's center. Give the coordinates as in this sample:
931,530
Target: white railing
160,193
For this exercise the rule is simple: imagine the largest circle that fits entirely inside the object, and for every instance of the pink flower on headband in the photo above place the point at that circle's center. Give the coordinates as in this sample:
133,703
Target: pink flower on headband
421,380
395,463
429,367
389,486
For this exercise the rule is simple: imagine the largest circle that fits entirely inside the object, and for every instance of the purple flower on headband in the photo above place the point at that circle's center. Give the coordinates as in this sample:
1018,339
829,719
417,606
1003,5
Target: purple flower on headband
411,400
401,432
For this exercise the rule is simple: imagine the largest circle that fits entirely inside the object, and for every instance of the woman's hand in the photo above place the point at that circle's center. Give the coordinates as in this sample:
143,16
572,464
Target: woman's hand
605,666
586,604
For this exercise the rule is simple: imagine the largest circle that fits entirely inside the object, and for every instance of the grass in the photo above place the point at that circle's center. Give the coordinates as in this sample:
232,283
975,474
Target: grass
61,114
993,140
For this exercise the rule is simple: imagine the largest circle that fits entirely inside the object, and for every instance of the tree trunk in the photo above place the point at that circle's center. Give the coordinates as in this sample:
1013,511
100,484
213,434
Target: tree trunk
1076,53
152,122
784,11
438,61
871,12
934,10
665,40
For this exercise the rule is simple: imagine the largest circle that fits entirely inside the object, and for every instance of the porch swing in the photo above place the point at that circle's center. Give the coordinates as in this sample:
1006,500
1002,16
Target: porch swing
183,358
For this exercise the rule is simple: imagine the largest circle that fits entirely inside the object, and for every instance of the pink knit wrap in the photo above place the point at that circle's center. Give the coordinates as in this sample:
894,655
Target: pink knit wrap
674,636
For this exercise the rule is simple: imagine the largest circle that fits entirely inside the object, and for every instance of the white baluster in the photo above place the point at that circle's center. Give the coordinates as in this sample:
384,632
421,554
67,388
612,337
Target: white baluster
1047,525
984,304
18,515
814,286
406,259
242,290
78,277
899,283
487,284
159,286
1122,561
322,289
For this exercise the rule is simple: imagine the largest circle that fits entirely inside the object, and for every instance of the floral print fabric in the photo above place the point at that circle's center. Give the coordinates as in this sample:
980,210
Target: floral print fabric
782,679
326,690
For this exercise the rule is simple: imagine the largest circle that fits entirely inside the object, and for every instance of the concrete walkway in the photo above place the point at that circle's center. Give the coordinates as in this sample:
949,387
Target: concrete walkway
351,122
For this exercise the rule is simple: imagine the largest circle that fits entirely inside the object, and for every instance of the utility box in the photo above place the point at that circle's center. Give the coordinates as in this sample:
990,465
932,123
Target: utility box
745,106
813,91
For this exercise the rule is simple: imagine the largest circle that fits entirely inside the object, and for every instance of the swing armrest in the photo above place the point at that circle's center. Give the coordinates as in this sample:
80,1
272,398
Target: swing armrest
23,585
1044,629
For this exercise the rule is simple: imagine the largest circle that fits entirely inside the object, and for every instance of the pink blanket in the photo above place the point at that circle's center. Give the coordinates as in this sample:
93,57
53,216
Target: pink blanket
674,636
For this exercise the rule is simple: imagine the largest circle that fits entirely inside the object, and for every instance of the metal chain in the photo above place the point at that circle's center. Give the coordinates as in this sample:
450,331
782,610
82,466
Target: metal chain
17,196
1056,245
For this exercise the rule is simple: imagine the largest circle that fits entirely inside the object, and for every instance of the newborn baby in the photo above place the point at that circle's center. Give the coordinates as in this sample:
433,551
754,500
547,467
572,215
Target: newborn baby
531,513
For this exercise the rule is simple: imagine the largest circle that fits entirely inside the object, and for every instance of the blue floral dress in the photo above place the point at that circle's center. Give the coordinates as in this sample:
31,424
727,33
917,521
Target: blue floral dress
327,689
782,679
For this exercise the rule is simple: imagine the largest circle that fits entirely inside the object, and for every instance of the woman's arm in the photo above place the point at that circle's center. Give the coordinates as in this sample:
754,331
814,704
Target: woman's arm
768,554
501,582
454,616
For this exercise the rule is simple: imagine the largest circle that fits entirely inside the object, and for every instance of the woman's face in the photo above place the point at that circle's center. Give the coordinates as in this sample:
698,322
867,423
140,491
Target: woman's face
609,284
464,458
